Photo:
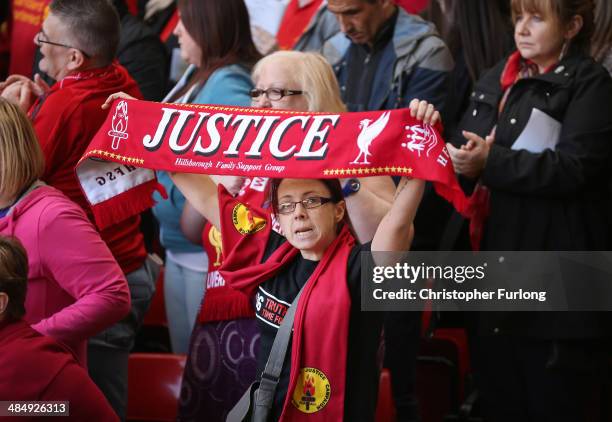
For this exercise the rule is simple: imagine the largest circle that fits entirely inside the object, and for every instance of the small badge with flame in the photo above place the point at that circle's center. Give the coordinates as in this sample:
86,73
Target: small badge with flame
312,390
119,124
244,220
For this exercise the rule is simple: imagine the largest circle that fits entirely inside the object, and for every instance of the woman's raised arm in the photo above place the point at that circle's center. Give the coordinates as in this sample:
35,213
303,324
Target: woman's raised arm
201,191
395,231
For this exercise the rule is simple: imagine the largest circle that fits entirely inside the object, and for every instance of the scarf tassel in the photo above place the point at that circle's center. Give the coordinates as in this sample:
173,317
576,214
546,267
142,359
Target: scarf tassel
223,305
126,204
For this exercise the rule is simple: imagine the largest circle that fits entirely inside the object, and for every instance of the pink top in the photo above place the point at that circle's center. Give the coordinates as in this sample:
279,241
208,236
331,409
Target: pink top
75,287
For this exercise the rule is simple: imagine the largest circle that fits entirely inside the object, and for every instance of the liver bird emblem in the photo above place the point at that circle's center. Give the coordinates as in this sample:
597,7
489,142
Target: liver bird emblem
369,132
214,236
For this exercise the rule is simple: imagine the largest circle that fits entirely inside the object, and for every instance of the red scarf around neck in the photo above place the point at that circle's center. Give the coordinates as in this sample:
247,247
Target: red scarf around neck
140,135
320,337
222,303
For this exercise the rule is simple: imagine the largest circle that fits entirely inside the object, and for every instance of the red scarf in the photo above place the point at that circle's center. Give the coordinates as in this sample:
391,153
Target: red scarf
478,209
253,142
221,302
320,336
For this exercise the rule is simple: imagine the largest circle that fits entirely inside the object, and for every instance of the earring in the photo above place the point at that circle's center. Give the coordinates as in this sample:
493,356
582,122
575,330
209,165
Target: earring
564,50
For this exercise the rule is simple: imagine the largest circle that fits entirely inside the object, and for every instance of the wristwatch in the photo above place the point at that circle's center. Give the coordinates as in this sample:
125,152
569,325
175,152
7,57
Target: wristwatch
351,187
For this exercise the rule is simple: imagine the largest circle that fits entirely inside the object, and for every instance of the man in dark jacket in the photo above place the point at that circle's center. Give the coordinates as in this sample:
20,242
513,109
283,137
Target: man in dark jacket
385,57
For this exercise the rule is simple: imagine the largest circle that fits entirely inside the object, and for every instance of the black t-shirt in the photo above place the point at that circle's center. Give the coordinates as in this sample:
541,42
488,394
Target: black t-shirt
272,300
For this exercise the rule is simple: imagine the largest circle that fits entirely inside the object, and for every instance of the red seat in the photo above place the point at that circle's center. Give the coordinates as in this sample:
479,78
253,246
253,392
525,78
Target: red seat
156,315
154,385
132,6
442,366
458,337
385,408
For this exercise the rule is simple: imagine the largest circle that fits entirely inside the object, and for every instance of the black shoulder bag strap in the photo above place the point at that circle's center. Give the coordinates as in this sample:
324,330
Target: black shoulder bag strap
263,398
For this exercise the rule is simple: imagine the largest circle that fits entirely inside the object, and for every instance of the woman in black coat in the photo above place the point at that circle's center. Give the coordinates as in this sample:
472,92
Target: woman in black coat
537,153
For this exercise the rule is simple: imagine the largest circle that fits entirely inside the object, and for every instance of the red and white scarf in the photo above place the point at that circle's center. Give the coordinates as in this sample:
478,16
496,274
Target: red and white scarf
116,176
223,303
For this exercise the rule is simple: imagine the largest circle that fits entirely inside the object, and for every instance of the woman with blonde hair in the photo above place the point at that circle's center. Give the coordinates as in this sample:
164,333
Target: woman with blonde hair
309,70
75,287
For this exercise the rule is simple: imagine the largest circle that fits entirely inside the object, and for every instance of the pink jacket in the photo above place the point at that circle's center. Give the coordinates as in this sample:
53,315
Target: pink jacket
75,287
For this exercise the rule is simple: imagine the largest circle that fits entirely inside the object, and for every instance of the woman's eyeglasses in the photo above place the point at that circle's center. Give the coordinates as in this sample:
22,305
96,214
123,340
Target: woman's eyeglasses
41,40
274,94
308,203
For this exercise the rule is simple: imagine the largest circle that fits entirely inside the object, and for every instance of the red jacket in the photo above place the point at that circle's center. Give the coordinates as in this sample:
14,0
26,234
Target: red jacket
65,121
35,367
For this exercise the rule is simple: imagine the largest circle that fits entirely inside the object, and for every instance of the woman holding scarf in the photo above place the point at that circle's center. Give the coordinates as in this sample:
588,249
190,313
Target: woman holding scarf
538,147
224,346
335,345
225,343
